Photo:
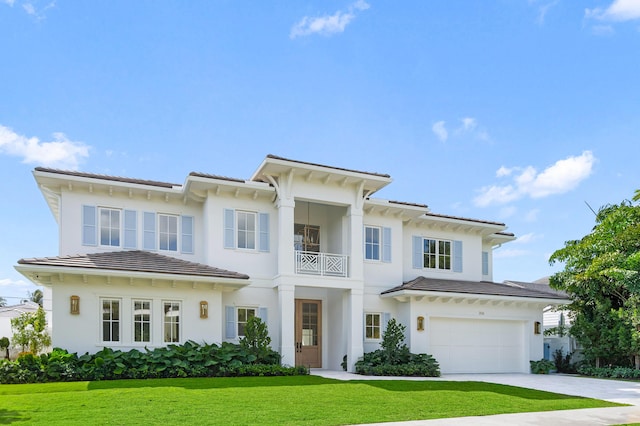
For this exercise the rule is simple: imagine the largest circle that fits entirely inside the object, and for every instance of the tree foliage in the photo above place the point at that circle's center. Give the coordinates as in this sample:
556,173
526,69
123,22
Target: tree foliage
30,331
602,277
36,296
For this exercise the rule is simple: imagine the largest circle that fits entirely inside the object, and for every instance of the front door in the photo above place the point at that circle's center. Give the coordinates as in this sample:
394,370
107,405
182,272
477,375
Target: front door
309,333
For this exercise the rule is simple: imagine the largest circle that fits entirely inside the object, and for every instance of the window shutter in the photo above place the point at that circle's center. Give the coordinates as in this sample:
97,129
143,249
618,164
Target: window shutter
263,231
485,263
386,245
457,256
229,228
386,317
89,226
130,229
149,231
230,313
262,314
418,259
187,234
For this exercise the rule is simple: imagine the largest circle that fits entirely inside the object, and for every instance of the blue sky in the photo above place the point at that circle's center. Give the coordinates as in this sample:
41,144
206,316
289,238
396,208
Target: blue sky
521,111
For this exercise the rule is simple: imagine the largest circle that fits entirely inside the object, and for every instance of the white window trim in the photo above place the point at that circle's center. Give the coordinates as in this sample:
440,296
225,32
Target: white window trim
437,254
178,236
133,322
255,230
104,342
180,321
373,339
256,312
120,225
379,228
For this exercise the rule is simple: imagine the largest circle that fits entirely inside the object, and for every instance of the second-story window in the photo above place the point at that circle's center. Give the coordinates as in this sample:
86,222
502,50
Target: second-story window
109,227
372,243
246,230
168,232
437,254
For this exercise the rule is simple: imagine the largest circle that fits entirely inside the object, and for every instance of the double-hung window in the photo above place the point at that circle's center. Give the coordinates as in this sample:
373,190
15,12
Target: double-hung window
109,227
436,254
168,232
171,321
110,320
142,321
246,230
372,327
372,242
244,314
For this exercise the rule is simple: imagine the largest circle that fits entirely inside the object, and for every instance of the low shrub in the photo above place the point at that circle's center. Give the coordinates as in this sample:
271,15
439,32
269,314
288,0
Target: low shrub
394,359
543,366
188,360
611,372
562,362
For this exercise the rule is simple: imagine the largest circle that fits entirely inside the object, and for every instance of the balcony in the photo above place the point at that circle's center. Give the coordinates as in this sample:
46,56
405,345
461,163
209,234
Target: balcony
325,264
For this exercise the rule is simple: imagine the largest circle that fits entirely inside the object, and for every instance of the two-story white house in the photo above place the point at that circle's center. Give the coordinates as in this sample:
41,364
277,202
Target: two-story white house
303,246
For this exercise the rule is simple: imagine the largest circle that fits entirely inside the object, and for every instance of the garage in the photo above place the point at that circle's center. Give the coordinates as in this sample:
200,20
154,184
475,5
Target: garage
477,346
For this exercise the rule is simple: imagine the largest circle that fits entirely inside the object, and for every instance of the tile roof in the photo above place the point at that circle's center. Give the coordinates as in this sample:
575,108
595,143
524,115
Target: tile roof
136,261
107,177
464,218
275,157
211,176
537,285
471,287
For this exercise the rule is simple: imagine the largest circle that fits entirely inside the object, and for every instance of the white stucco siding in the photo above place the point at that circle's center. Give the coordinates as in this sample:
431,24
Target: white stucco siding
82,332
385,275
471,255
452,326
71,221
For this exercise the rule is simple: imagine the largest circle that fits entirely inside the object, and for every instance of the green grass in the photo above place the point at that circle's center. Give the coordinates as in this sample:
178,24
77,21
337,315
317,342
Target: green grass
268,400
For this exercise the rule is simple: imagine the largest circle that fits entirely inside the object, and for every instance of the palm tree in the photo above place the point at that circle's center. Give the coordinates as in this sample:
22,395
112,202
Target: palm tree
3,302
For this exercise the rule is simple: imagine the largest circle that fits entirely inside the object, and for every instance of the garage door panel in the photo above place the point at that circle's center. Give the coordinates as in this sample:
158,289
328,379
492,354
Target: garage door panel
477,346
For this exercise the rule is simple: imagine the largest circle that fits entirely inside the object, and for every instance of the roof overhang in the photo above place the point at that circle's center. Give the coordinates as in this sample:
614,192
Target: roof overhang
273,167
50,275
404,211
470,298
199,187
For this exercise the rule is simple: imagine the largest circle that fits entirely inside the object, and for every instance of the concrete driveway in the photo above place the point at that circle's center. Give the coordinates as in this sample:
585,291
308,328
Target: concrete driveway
609,390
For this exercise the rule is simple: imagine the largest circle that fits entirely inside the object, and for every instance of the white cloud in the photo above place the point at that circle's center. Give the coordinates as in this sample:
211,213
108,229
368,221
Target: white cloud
328,25
527,238
503,171
440,130
468,124
9,2
561,177
6,282
619,10
61,152
543,9
602,30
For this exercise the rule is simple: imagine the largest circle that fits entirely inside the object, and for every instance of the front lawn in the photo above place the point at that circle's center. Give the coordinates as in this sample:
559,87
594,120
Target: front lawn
268,400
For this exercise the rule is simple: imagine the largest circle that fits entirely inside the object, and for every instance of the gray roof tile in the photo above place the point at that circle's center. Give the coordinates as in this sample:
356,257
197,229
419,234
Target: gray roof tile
137,261
471,287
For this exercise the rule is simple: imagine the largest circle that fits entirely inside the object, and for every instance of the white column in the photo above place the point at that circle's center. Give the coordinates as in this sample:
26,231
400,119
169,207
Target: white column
286,257
286,304
356,257
355,348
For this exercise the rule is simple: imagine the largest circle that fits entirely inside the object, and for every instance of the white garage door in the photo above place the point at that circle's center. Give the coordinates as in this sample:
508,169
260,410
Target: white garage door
477,346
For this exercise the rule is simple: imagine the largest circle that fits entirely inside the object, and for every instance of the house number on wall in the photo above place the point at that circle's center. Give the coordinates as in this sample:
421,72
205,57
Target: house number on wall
481,313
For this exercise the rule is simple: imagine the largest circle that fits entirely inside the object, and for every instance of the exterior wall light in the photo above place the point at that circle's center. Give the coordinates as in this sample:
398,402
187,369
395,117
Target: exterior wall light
420,323
536,327
204,309
74,305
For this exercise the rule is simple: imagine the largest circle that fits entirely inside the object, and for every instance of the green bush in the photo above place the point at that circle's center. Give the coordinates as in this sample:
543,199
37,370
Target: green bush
188,360
562,362
609,372
395,359
543,366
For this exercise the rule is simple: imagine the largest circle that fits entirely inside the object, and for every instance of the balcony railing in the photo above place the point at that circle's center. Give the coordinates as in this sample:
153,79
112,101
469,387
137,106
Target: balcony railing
327,264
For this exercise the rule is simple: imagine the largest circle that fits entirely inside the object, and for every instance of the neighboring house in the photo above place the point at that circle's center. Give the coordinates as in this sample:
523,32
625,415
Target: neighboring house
7,313
301,245
553,318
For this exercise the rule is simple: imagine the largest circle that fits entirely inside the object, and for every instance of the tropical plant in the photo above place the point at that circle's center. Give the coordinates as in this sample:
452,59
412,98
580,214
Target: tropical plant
256,342
30,331
543,366
3,302
4,346
36,296
602,277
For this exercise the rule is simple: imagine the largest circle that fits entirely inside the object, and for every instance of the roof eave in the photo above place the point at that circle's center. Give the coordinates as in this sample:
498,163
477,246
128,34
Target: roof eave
407,294
41,274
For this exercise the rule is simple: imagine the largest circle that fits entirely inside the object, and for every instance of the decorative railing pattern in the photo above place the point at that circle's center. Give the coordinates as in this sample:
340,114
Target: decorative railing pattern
313,263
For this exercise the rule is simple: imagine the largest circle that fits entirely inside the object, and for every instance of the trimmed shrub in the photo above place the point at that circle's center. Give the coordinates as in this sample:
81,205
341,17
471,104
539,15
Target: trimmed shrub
188,360
543,366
